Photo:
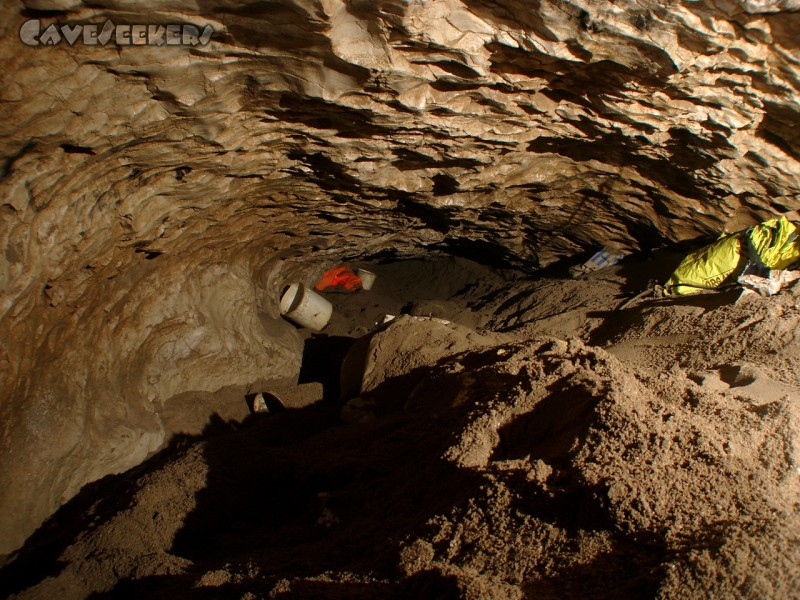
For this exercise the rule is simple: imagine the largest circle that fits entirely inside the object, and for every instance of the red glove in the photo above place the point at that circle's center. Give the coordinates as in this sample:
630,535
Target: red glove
343,276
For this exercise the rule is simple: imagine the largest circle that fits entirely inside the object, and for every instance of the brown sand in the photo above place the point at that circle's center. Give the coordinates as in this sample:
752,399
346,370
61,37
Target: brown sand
566,450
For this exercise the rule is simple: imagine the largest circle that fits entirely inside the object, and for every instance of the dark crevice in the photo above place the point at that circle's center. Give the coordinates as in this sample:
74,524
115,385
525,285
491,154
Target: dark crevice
328,174
410,160
73,149
8,163
434,218
622,151
444,185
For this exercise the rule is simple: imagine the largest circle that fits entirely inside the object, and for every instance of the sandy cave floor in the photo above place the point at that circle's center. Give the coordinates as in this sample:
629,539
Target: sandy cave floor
516,437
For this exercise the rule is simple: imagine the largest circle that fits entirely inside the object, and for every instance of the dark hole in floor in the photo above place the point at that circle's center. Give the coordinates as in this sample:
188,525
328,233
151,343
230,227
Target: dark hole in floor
322,362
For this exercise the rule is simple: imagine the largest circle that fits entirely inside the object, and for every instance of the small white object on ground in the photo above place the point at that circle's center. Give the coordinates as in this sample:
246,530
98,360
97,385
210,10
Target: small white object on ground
259,404
367,278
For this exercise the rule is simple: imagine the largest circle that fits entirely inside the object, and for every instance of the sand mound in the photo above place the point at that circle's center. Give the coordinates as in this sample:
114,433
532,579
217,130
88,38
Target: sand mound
487,465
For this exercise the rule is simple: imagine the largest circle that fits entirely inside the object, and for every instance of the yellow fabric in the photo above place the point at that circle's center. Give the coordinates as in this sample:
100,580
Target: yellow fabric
706,268
775,241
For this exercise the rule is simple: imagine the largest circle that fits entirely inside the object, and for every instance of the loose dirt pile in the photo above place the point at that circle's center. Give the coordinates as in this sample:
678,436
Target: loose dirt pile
565,450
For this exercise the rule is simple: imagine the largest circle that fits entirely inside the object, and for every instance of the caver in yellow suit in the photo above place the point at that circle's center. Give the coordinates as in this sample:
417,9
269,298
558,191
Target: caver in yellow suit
773,244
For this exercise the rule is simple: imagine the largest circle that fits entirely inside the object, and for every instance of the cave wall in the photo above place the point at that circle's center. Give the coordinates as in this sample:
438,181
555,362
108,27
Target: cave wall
155,199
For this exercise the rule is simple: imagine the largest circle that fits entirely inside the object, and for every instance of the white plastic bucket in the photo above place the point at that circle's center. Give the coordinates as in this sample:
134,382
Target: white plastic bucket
367,278
305,307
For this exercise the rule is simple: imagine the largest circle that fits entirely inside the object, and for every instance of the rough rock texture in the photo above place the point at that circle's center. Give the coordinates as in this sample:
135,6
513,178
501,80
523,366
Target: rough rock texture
156,199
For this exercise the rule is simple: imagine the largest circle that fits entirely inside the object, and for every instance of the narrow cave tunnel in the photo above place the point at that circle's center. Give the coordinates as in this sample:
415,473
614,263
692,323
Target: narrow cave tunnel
479,423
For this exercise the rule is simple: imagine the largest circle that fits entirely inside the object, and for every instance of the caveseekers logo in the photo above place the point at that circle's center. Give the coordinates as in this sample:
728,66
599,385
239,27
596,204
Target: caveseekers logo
32,33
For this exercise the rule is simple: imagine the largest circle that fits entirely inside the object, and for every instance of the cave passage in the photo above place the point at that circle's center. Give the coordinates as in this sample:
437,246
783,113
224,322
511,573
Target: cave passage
478,424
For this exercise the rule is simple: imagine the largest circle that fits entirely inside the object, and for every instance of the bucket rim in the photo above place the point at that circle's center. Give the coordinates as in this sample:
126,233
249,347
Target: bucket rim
287,307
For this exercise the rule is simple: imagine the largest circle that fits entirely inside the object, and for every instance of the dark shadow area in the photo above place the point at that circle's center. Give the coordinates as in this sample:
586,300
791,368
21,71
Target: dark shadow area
511,300
337,590
353,364
96,503
709,301
300,494
291,108
74,149
292,496
569,504
638,272
734,376
482,252
35,13
779,127
416,389
8,163
323,356
634,569
430,584
620,150
444,185
410,160
437,219
328,175
614,322
550,430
